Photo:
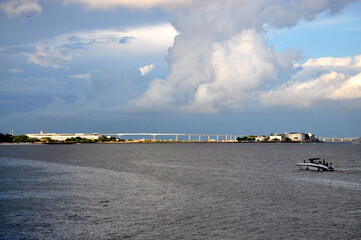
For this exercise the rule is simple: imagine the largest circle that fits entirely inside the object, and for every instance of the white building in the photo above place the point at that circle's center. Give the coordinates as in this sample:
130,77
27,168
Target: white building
278,137
297,137
261,138
63,136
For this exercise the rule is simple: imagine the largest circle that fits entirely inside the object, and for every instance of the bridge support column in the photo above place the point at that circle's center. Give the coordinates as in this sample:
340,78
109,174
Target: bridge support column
208,138
176,138
200,138
189,138
217,138
154,137
226,138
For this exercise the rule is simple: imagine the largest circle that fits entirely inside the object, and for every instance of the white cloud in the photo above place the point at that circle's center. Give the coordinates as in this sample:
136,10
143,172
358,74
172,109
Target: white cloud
145,40
349,62
48,57
237,72
15,70
322,79
86,76
17,7
146,69
234,69
143,4
220,60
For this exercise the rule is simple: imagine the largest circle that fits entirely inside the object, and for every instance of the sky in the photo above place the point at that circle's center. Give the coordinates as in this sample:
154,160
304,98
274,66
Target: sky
181,66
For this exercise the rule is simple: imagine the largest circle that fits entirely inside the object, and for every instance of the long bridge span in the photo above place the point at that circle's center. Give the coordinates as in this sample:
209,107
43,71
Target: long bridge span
336,139
190,136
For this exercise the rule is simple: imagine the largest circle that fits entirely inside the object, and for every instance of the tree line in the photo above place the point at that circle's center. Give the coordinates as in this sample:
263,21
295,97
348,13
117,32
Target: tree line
19,138
7,138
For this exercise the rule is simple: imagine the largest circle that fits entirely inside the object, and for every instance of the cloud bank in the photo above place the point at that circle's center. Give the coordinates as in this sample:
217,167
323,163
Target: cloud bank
337,79
220,60
140,41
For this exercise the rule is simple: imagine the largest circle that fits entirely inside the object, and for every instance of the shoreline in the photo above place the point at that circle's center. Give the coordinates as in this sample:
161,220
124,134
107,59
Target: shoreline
155,142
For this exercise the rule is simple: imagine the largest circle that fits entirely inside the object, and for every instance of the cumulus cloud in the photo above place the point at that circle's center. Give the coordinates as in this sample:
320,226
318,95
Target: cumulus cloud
17,7
220,57
146,69
240,65
320,80
346,62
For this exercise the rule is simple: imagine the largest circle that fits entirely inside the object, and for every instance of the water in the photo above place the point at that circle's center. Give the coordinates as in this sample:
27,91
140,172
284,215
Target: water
178,191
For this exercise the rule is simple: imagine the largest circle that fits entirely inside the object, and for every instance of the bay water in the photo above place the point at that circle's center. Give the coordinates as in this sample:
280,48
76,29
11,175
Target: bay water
179,191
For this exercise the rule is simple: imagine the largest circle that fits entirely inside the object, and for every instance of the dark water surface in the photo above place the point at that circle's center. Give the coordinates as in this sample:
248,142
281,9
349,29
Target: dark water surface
178,191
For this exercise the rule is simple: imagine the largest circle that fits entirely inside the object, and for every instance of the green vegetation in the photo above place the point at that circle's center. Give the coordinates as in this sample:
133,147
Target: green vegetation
80,140
24,138
19,138
106,139
246,138
47,140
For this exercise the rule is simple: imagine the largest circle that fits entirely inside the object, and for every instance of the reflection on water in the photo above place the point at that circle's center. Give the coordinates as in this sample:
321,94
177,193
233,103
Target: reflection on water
178,191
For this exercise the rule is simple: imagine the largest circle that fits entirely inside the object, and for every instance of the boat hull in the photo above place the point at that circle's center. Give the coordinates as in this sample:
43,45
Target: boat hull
313,167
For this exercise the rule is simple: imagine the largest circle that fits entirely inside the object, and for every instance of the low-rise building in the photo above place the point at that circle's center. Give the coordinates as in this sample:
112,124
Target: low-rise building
296,136
64,136
261,138
277,137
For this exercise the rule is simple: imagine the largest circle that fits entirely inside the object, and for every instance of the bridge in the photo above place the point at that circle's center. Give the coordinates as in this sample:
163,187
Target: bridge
190,136
336,139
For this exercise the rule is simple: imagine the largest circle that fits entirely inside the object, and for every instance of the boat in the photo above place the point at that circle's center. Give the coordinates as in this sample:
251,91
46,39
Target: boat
315,164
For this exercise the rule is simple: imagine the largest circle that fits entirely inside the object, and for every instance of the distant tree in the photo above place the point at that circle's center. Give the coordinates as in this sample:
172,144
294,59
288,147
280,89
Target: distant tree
21,138
47,140
106,139
246,138
79,140
24,138
252,138
6,138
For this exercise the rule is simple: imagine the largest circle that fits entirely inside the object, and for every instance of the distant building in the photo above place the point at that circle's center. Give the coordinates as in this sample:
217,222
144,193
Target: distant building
277,137
297,137
261,138
311,137
301,137
63,136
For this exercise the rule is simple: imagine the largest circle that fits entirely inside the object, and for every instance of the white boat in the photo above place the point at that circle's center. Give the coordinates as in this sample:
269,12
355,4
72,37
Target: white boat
315,164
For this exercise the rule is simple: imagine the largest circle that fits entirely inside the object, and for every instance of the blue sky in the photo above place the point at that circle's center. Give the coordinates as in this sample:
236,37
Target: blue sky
187,66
